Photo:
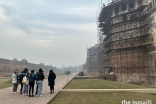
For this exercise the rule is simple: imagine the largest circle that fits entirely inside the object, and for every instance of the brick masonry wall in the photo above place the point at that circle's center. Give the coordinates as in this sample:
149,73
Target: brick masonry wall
7,67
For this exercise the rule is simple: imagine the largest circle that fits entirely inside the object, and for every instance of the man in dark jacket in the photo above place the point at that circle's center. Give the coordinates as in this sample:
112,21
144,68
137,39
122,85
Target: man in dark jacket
20,81
40,78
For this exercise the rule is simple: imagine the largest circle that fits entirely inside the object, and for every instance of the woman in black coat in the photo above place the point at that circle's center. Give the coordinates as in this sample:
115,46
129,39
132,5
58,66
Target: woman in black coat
51,80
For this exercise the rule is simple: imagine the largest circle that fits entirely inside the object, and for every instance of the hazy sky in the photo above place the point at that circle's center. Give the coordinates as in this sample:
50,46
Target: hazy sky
55,32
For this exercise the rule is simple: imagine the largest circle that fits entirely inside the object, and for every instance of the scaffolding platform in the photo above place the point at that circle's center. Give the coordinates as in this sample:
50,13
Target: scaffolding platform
108,51
108,43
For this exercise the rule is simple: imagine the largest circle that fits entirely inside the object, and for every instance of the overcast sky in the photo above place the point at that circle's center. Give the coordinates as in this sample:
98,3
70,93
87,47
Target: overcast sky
54,32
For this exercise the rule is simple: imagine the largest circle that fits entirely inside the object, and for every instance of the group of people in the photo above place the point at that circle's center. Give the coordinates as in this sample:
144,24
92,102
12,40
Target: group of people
80,73
67,72
28,79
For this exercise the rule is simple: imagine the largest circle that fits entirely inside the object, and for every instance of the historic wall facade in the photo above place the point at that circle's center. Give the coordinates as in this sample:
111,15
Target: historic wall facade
130,29
7,67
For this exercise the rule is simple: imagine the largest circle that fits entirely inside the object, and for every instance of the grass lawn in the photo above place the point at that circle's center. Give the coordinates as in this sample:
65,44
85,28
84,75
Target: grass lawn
101,97
101,84
5,83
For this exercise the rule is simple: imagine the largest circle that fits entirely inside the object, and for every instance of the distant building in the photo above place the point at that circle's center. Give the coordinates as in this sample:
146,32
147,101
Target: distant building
42,65
92,58
24,61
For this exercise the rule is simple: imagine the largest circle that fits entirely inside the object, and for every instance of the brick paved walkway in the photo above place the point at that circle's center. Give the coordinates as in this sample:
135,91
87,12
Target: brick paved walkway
7,97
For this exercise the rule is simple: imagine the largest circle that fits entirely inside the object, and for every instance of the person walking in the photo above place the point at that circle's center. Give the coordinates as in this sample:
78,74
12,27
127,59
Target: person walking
25,82
51,80
36,83
32,79
40,78
15,80
20,81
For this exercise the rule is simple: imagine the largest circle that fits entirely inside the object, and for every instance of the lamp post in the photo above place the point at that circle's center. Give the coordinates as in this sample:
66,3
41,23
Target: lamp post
67,78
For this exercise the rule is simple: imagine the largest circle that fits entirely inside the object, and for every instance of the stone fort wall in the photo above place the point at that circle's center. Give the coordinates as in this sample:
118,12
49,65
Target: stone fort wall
7,67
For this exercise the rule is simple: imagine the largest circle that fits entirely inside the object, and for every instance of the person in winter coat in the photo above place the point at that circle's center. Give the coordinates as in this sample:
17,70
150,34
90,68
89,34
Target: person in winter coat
51,80
26,74
15,78
40,78
32,79
20,81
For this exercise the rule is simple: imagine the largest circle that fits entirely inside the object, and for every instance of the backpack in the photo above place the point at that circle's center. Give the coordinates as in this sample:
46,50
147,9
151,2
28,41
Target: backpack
25,80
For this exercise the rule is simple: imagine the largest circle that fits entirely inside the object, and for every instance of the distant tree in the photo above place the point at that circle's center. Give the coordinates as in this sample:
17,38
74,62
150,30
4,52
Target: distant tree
72,69
15,59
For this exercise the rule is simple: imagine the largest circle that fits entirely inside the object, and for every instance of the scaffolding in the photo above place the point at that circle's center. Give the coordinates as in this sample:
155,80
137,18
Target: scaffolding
128,51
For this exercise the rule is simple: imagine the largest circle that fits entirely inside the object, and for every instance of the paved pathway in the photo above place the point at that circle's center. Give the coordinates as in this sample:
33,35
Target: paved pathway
7,97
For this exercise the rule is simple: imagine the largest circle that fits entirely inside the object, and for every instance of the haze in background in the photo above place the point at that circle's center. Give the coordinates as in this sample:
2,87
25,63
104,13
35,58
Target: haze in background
55,32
